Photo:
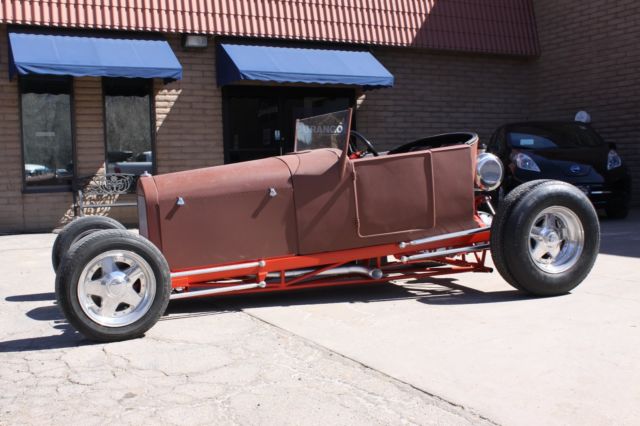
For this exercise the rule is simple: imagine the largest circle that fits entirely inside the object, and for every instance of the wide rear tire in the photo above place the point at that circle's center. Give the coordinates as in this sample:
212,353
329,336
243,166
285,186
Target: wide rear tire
75,231
549,239
113,285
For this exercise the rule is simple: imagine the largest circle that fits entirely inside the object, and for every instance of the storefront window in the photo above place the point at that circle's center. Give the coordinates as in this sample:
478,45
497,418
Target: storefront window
260,121
129,136
47,141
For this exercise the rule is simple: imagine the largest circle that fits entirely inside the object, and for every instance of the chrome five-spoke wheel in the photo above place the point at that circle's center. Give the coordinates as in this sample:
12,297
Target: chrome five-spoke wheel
556,239
116,288
545,237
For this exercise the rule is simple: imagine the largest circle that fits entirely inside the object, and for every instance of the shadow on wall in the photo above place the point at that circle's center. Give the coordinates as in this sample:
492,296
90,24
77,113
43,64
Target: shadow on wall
47,212
460,25
110,195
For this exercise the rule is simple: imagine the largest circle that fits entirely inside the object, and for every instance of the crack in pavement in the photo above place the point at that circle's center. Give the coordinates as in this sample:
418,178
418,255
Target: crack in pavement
444,403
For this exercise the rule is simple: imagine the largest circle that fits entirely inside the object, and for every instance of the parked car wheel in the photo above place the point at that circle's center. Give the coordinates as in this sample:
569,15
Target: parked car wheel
617,211
75,231
113,285
550,239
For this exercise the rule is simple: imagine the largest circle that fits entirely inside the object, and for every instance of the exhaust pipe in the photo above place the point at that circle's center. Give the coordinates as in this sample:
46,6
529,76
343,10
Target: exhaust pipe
211,291
373,273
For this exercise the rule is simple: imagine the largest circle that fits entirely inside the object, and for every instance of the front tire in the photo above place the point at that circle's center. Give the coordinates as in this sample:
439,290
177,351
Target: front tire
549,241
113,285
75,231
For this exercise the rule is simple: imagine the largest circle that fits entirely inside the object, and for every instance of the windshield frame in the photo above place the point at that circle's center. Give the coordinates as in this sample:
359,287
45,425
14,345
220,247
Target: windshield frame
344,127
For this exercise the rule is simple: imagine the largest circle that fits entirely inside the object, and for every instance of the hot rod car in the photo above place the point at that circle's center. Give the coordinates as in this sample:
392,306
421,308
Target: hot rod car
327,214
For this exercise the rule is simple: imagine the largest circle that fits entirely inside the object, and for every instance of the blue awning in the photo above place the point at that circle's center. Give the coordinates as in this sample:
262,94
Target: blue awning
238,62
90,54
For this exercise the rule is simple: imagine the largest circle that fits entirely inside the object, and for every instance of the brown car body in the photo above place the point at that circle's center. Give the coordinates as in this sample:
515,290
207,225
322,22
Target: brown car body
308,202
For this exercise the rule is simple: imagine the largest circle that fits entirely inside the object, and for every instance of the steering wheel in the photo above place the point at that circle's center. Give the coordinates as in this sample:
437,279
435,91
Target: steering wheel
354,138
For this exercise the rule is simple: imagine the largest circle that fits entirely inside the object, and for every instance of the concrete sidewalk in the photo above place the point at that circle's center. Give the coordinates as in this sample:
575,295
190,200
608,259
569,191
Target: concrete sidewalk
206,363
465,349
473,340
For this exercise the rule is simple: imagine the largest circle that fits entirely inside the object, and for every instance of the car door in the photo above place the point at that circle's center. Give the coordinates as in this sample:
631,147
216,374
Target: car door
394,194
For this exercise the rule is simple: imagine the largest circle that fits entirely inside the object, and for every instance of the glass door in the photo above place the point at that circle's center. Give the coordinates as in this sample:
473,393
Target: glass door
259,122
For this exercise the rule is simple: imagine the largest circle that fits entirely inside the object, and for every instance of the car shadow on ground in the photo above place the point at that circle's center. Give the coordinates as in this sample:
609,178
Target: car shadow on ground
38,297
432,291
68,339
51,313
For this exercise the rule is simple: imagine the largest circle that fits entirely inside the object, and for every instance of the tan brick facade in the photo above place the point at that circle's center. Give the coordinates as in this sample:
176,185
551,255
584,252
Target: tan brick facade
18,211
437,93
189,113
591,60
586,63
188,135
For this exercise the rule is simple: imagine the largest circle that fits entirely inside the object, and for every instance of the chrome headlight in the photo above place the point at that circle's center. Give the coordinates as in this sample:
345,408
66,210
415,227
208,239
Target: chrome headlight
489,172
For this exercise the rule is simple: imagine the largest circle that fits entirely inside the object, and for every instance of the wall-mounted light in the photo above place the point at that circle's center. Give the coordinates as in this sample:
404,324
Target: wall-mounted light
193,41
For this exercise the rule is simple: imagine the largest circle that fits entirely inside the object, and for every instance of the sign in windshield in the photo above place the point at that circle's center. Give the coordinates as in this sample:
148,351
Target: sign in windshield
323,131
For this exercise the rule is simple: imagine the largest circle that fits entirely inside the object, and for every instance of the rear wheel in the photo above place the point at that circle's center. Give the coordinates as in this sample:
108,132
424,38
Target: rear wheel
550,239
113,285
75,231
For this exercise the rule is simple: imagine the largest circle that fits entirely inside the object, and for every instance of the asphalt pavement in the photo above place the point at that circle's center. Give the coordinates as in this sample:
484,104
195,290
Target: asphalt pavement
460,349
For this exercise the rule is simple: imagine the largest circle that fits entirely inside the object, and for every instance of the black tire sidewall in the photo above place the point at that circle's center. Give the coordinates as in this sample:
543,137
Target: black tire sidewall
75,231
88,248
516,251
498,226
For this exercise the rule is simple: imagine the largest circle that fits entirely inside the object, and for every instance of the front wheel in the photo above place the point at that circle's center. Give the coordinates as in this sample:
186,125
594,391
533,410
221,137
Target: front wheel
113,285
551,239
76,230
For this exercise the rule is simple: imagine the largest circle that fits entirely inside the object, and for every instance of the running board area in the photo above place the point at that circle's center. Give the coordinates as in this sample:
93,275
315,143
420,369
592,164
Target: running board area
443,253
210,291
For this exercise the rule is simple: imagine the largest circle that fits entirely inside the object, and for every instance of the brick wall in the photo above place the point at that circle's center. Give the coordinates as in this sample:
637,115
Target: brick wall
591,60
11,207
436,93
189,113
188,135
587,62
18,211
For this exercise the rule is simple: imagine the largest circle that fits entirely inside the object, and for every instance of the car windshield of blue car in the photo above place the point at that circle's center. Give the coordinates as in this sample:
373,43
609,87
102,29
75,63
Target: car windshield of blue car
323,131
553,135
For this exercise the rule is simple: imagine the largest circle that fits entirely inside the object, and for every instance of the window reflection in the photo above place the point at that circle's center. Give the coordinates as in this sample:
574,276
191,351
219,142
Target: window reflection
128,121
46,132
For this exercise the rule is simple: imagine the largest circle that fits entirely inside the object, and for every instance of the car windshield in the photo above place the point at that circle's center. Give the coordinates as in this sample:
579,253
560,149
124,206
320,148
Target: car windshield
553,135
323,131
